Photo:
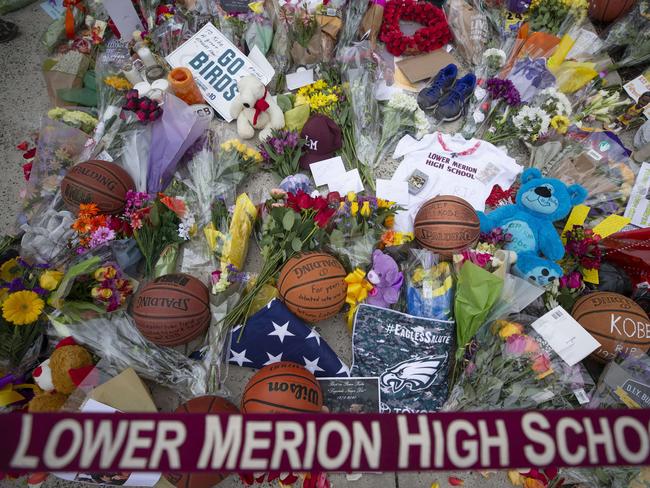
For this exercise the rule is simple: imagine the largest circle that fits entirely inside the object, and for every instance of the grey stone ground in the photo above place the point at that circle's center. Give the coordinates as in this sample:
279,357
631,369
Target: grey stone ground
23,100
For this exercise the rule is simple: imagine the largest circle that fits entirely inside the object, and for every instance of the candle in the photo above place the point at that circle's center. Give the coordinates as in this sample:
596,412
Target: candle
133,75
144,53
184,87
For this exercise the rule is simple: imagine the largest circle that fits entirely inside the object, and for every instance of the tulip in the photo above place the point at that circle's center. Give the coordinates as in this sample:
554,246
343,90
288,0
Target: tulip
50,279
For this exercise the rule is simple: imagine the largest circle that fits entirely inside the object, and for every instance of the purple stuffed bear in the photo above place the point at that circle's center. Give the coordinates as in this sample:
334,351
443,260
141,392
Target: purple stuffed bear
386,278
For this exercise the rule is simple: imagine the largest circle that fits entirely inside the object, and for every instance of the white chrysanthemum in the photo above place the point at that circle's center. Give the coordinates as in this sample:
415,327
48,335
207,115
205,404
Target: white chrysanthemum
495,58
402,101
555,102
185,227
532,121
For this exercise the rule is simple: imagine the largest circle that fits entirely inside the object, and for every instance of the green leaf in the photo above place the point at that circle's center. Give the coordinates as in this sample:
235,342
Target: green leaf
288,220
296,244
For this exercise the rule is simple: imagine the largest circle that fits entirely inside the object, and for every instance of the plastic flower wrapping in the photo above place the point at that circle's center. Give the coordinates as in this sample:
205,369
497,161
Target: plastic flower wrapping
509,366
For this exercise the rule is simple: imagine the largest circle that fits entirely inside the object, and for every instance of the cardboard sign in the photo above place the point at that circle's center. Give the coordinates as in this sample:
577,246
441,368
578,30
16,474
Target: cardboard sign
216,65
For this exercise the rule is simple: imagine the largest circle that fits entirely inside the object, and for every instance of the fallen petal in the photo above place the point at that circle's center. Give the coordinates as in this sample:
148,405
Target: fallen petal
453,481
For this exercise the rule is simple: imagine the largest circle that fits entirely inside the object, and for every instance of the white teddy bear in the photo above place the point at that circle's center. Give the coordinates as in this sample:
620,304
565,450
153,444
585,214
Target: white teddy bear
255,108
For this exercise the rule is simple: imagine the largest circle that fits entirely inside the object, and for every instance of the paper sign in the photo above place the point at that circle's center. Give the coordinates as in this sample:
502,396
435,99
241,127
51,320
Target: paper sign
54,8
350,182
610,225
565,335
300,78
124,16
216,65
637,87
327,170
393,191
638,206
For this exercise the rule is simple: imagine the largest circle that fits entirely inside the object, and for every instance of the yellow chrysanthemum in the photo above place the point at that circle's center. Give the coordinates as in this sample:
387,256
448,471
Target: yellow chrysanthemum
560,123
22,307
9,270
118,83
418,275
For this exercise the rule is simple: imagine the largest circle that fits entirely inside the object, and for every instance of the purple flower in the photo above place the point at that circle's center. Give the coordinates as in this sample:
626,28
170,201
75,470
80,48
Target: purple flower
101,236
40,291
573,280
16,285
503,90
515,345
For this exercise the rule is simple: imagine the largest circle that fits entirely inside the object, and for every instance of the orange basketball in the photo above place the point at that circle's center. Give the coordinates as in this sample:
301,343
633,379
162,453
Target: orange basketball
609,10
313,286
618,323
447,225
97,182
172,309
283,387
203,404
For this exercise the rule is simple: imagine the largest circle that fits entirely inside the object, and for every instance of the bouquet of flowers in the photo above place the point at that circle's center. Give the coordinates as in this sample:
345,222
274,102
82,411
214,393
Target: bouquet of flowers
488,253
304,34
582,255
429,286
24,292
281,152
94,229
90,288
292,223
236,161
160,224
512,367
553,16
359,223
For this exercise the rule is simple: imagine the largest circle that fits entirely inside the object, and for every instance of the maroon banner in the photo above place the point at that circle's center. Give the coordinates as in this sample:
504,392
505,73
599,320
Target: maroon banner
254,443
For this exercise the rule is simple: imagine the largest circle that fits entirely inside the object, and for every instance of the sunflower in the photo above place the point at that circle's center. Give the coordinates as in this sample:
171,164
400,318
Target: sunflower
22,307
9,270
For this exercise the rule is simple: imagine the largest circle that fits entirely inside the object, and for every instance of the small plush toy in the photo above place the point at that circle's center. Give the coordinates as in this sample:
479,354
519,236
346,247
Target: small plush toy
59,375
386,278
540,202
255,108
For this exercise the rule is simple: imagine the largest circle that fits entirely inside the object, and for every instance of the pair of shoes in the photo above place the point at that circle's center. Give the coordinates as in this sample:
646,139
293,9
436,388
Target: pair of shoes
8,30
446,94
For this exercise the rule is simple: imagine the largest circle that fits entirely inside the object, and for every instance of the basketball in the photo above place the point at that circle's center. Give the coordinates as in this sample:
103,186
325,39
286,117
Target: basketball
202,404
447,225
618,323
172,310
312,286
98,182
283,387
609,10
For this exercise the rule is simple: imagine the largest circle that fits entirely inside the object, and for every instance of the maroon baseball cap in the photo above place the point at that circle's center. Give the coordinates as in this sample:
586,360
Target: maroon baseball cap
322,139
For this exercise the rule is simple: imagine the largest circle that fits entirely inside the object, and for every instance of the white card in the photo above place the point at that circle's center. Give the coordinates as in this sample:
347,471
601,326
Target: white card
349,182
565,335
300,78
327,170
638,205
257,57
124,17
393,191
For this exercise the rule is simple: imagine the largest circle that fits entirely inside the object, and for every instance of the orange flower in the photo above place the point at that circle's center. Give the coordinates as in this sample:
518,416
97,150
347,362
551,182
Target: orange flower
176,205
542,365
533,483
388,237
88,209
389,222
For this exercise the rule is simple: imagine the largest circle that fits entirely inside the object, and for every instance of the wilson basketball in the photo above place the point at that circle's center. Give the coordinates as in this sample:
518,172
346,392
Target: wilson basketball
172,310
447,225
98,182
313,286
203,404
618,323
283,387
609,10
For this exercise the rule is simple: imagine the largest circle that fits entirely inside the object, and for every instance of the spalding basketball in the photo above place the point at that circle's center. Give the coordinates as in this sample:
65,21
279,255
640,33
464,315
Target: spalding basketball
283,387
447,225
618,323
172,310
312,285
609,10
98,182
203,404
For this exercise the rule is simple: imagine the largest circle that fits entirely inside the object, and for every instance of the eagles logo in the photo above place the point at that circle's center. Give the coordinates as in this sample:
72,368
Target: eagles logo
415,374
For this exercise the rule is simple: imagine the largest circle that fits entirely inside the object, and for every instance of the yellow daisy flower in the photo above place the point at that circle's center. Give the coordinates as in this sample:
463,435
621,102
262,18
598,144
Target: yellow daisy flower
22,307
560,123
9,270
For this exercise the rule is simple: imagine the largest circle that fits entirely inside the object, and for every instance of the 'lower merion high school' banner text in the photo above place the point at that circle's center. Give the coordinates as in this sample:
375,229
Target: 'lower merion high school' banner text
254,443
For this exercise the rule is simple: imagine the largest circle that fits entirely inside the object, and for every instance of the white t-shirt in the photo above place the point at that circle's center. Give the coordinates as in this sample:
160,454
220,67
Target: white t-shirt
454,166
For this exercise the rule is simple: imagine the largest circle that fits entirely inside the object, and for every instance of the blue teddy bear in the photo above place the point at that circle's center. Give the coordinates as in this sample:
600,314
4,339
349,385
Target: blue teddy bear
540,201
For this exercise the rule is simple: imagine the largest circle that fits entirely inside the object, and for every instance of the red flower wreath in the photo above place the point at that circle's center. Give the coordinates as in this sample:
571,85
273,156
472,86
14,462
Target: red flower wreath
433,35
